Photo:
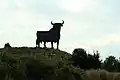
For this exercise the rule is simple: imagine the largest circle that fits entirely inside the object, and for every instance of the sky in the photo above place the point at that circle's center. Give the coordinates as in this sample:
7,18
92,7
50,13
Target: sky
88,24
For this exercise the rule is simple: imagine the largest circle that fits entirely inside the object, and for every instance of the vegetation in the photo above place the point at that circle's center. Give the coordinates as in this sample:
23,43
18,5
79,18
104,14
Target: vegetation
7,45
86,61
36,64
111,64
49,64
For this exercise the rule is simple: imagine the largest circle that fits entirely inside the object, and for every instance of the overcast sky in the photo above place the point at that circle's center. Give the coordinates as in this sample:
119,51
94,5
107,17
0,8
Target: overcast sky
89,24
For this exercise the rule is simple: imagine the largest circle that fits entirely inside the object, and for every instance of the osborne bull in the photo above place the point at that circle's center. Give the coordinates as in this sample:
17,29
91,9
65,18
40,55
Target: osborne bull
53,35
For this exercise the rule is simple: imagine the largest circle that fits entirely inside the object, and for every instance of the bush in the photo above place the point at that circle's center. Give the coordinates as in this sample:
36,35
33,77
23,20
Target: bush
37,70
7,45
79,58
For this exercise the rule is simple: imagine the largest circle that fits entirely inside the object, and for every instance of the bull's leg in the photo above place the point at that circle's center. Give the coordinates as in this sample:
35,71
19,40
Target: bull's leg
57,44
44,44
37,43
52,45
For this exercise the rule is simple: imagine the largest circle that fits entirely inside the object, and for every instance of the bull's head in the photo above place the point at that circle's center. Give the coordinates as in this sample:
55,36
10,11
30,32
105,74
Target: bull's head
57,24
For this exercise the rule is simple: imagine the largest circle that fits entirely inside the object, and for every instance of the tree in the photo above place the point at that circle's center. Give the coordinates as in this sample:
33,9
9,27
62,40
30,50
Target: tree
79,58
118,66
97,60
86,61
93,61
110,63
90,61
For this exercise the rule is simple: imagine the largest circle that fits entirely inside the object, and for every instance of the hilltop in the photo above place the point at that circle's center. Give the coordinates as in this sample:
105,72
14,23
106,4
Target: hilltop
30,63
46,55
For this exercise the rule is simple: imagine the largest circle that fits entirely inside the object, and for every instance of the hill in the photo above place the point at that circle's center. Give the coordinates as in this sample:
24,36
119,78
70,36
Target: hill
29,63
45,55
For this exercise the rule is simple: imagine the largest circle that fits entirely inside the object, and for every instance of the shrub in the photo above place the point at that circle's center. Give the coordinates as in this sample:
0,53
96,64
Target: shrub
7,45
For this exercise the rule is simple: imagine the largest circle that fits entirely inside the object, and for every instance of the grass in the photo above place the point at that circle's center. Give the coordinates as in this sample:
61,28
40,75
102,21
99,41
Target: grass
30,63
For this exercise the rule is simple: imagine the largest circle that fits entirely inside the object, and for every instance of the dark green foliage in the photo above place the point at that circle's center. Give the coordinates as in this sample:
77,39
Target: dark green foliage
7,45
37,70
97,61
79,58
67,73
85,61
110,64
93,61
118,67
11,68
3,70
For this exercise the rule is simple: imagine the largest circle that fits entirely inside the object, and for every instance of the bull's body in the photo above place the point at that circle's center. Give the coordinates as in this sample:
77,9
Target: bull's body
47,36
53,35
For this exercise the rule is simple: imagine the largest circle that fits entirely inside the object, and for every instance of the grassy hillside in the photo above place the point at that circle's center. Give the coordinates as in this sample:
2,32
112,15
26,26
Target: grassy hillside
36,64
47,56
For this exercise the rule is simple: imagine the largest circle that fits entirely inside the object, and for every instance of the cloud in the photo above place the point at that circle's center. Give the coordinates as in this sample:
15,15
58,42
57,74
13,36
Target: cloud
78,6
111,49
106,40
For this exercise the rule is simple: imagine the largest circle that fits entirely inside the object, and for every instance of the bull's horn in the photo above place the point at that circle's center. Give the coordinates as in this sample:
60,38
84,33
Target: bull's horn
52,23
62,22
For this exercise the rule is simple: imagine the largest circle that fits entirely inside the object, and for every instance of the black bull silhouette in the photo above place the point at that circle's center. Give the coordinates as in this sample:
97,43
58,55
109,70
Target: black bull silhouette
53,35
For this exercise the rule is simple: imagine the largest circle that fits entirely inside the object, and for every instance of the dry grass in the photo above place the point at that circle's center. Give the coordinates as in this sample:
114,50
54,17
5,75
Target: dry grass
100,75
